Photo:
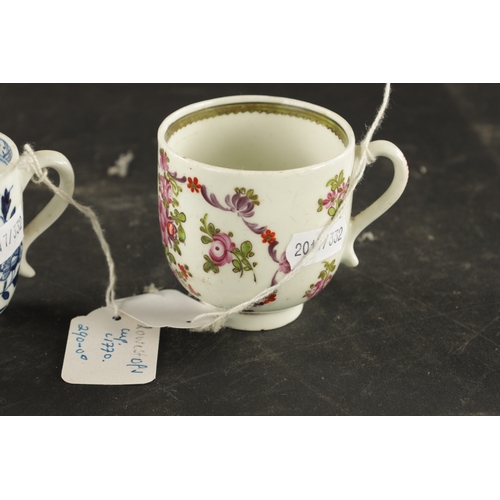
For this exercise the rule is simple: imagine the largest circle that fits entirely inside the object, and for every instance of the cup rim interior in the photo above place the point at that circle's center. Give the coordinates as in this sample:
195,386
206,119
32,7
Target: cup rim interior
251,103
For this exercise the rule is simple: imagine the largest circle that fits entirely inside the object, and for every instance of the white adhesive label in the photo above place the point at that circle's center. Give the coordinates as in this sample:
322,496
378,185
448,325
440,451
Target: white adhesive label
11,235
167,308
103,351
303,243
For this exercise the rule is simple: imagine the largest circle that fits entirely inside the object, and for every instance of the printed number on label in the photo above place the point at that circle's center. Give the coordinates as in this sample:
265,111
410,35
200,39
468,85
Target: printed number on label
302,248
303,243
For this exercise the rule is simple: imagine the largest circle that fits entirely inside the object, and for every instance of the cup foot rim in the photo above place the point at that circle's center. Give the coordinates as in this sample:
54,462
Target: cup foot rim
263,321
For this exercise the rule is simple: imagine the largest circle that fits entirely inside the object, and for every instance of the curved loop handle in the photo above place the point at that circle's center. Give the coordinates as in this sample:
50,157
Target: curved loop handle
56,206
382,204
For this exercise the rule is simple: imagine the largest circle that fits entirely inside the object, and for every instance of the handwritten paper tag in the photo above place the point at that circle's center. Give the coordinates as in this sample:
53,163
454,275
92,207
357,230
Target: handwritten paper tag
303,243
103,351
167,308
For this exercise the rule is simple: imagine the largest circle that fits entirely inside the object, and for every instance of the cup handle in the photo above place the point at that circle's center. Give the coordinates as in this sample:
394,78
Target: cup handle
382,204
54,208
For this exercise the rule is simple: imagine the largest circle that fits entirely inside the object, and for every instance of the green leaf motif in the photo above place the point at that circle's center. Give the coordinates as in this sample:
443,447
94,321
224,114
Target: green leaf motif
179,217
247,265
246,248
250,194
209,265
330,267
336,181
170,256
181,234
176,189
176,247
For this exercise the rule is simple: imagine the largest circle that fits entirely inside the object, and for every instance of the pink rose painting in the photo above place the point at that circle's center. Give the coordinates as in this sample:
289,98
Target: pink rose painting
334,198
221,248
316,288
324,278
224,251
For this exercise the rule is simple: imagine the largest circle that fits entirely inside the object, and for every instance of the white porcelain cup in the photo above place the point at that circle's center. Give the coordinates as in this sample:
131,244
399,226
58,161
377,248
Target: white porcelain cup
245,184
14,238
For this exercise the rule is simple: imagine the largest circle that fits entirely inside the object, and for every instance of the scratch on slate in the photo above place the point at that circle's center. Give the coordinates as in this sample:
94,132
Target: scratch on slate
293,376
462,348
439,313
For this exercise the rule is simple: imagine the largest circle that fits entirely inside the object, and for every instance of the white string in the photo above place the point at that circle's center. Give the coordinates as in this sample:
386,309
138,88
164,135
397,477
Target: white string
219,317
29,157
365,158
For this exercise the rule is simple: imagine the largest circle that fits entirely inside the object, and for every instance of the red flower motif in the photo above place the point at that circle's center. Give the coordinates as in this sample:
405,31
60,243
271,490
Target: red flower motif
171,230
184,272
269,299
193,184
268,237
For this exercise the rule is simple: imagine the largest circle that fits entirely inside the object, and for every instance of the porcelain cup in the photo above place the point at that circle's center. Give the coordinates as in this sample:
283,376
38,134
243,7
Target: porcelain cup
14,238
245,184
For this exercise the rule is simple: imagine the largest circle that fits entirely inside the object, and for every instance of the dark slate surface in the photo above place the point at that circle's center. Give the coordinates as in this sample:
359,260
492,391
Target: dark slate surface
413,330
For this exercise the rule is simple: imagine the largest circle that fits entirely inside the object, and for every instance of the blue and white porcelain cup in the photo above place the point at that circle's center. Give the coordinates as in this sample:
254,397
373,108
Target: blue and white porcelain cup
15,239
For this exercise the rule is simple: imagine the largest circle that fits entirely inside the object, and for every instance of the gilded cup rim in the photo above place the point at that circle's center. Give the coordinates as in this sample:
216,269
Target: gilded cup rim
269,104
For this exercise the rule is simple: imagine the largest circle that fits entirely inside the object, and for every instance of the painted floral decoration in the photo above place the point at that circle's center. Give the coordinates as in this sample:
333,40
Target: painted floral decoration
224,251
183,274
268,236
171,219
324,278
338,189
222,247
194,185
9,270
5,152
